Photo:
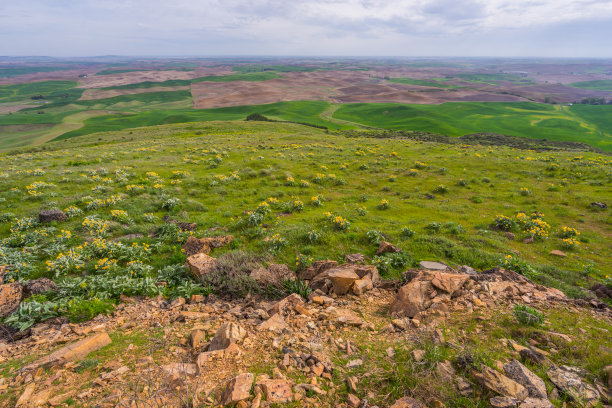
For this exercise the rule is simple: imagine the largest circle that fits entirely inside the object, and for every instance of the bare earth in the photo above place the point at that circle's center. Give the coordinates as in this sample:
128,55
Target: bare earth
95,93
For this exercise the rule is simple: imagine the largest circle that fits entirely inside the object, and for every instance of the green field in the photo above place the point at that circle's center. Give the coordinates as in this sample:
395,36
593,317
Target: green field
494,79
255,76
16,71
410,81
600,85
51,90
525,119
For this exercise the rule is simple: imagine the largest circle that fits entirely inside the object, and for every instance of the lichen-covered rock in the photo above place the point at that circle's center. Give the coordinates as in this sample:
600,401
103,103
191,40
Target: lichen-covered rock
499,383
569,382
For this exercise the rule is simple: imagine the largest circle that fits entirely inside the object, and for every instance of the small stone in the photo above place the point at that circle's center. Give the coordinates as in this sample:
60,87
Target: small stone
275,323
556,252
276,391
504,402
197,339
385,247
434,266
407,402
418,355
352,400
354,363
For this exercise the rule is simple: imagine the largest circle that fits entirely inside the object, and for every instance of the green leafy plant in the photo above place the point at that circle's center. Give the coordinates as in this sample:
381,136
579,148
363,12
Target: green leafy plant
527,315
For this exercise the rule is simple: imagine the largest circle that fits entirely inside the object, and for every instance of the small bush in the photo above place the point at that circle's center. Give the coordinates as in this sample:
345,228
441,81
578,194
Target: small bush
297,286
527,315
406,232
231,279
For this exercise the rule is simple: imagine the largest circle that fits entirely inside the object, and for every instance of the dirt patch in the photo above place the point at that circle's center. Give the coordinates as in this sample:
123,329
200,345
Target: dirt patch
4,109
95,93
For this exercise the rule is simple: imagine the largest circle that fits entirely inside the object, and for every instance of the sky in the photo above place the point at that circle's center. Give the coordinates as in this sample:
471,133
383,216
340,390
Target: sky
507,28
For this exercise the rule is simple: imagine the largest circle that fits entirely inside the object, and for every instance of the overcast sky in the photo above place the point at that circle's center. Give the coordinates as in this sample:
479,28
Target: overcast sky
570,28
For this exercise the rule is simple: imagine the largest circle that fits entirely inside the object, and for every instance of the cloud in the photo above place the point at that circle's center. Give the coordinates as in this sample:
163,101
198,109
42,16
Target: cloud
324,27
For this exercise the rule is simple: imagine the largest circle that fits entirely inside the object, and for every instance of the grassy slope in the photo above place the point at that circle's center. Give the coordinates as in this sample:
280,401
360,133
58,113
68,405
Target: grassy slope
525,119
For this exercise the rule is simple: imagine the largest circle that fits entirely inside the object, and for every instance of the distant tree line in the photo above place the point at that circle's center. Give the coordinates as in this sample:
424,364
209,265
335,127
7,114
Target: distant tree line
595,101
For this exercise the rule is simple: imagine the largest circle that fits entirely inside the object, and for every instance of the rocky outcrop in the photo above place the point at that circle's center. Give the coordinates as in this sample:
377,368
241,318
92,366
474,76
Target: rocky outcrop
340,279
10,297
568,381
535,385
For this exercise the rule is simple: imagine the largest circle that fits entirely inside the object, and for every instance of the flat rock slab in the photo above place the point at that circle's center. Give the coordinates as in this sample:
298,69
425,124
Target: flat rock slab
71,352
435,266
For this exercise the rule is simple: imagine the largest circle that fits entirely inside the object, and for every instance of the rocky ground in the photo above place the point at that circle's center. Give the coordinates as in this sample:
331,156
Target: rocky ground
441,338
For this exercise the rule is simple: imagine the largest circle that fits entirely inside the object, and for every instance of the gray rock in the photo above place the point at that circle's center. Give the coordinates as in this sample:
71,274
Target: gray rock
436,266
522,375
567,380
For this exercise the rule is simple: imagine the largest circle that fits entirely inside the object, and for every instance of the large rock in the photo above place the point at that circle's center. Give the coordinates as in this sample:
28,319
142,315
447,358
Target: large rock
407,402
412,298
237,389
72,352
317,268
522,375
195,245
342,277
274,274
51,215
286,304
276,390
201,265
39,286
449,282
361,286
10,297
499,383
227,334
570,383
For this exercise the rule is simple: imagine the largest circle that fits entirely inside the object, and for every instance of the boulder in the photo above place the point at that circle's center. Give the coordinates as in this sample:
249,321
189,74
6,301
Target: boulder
10,297
449,282
499,383
412,298
567,381
317,268
237,389
201,265
72,352
39,286
276,390
434,266
45,216
274,274
225,335
522,375
385,247
342,280
407,402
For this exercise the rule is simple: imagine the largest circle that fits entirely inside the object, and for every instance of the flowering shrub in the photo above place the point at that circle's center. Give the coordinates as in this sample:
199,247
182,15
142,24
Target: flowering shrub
375,237
120,215
72,211
504,223
65,263
302,262
96,226
441,189
277,242
524,191
316,201
384,204
568,232
570,243
406,232
337,221
517,265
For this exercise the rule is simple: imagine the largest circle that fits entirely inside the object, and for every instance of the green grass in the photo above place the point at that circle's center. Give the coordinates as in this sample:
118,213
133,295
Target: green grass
598,85
420,82
598,115
524,119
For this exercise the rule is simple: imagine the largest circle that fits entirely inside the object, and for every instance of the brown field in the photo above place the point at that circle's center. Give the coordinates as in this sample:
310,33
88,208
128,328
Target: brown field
96,93
334,86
